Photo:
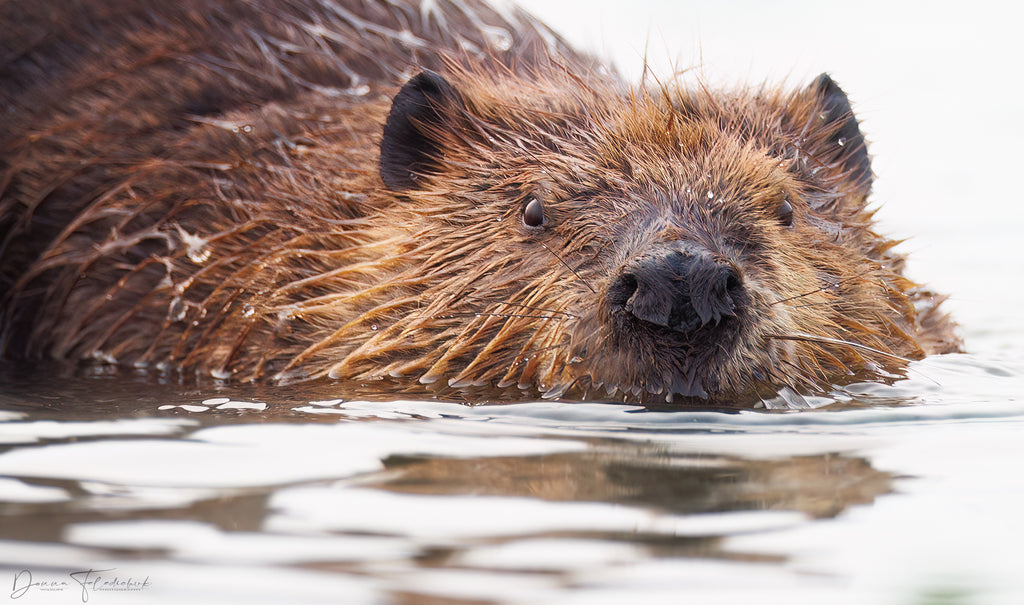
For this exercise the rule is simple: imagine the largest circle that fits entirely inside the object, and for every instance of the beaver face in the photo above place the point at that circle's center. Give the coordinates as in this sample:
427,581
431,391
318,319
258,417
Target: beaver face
655,247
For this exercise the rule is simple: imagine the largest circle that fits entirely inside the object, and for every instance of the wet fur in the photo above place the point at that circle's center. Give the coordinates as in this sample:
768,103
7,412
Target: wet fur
198,187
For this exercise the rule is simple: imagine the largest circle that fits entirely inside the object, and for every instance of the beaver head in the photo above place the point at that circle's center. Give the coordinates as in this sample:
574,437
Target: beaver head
594,241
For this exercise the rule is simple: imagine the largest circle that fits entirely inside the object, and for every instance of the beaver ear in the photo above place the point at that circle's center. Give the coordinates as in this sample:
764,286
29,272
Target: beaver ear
844,132
412,144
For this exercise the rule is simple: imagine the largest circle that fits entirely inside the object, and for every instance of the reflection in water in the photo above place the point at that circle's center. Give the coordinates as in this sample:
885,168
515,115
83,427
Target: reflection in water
819,486
644,477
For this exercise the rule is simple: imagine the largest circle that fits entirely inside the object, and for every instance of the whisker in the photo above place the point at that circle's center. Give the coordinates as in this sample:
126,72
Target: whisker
566,313
800,337
521,305
574,272
823,289
506,315
846,308
809,305
855,345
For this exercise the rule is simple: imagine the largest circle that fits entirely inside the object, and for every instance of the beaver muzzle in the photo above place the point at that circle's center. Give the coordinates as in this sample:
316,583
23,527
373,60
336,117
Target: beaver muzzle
678,288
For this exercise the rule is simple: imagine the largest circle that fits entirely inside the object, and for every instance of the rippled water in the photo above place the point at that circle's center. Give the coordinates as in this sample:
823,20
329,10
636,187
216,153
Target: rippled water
909,494
245,496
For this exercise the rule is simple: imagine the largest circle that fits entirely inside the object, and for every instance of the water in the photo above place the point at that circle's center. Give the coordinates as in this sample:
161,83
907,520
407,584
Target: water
907,494
898,493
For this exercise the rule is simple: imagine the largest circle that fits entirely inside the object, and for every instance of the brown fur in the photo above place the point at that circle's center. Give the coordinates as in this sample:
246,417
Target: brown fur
197,186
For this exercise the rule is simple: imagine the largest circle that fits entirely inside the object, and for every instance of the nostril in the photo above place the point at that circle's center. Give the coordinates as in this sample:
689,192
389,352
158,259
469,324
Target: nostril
628,283
622,290
733,281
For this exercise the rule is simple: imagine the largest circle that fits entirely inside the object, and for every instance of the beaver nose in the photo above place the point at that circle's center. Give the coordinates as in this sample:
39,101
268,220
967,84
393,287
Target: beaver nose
678,289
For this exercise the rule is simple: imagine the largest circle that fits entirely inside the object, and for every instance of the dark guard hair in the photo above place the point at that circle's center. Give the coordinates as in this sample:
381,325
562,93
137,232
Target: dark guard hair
440,194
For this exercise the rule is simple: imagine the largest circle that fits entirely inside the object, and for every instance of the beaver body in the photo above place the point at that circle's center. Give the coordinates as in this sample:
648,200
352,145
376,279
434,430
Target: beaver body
438,193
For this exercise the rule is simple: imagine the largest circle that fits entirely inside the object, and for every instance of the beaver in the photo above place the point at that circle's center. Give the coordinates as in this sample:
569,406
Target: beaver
440,194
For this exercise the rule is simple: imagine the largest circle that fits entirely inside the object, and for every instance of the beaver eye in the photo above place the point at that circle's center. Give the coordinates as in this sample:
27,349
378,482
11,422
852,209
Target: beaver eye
533,214
786,213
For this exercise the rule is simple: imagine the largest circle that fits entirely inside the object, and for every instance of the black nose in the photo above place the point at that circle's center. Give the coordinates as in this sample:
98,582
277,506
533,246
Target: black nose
677,288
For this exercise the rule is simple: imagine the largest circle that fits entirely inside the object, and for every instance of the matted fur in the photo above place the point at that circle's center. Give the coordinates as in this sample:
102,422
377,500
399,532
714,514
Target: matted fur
194,187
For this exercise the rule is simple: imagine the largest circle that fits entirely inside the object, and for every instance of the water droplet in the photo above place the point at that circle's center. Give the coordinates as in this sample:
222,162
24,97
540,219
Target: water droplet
499,219
248,310
177,309
711,195
104,357
358,91
195,246
841,142
199,256
247,128
373,327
